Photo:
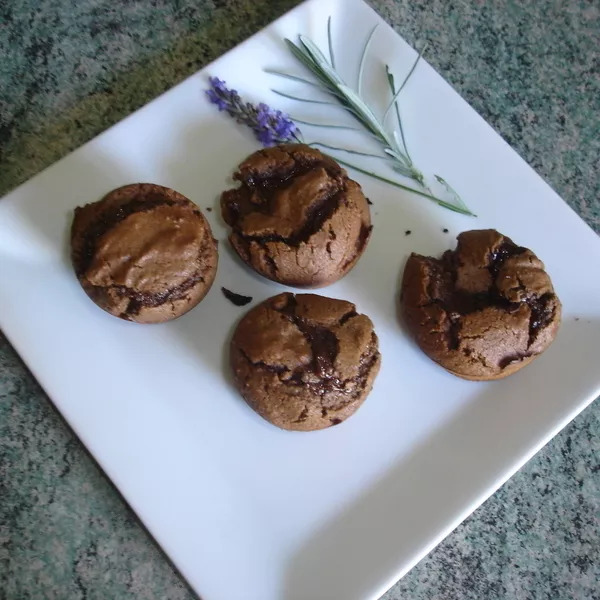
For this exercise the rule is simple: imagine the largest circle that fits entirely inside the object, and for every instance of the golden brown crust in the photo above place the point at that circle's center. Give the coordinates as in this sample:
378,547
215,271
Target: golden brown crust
296,218
143,253
482,311
304,362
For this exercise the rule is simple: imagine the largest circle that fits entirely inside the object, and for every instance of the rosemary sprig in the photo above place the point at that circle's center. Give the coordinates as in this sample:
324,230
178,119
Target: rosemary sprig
331,82
393,142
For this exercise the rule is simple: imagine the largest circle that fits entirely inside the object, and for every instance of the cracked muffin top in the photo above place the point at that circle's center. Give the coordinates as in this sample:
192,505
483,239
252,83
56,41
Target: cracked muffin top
304,361
143,253
482,311
296,218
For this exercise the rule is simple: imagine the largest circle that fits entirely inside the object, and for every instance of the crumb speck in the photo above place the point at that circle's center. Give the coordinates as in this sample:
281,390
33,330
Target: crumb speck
237,299
577,318
407,232
209,208
369,202
445,230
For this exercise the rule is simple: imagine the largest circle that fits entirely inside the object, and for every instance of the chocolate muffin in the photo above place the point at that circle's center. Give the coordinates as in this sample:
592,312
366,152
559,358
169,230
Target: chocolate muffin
296,218
143,253
482,311
304,362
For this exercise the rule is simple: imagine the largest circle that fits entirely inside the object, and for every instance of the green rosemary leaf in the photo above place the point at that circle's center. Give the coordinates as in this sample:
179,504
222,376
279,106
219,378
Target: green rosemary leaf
397,142
453,193
330,42
310,100
412,69
406,171
362,61
320,61
394,154
293,77
366,114
326,125
342,127
392,85
349,150
304,57
314,60
390,78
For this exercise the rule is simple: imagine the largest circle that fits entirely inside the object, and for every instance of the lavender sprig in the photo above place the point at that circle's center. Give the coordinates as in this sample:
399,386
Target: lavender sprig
275,127
270,126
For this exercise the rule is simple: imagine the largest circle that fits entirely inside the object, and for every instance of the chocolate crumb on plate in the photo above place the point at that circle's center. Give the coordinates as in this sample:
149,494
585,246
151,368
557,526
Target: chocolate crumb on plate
237,299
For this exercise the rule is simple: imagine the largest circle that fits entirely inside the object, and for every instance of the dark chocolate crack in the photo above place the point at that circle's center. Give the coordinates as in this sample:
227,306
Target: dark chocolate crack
318,214
323,342
504,251
348,316
324,349
458,303
139,300
277,369
482,273
271,180
542,314
368,360
361,242
258,189
302,416
328,382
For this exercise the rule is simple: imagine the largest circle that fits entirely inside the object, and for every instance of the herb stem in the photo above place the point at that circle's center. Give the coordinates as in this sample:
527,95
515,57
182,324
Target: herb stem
463,211
361,67
387,110
349,150
330,42
300,99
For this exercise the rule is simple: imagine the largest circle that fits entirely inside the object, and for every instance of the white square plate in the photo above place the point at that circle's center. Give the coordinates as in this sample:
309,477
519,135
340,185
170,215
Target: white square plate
244,510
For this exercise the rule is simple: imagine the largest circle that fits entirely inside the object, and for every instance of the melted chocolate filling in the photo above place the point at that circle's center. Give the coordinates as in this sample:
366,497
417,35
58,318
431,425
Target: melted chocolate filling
322,341
457,303
245,199
325,347
139,300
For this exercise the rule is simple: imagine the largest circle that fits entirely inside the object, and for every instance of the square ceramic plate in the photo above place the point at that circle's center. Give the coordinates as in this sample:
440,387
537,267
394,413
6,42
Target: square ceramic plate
247,511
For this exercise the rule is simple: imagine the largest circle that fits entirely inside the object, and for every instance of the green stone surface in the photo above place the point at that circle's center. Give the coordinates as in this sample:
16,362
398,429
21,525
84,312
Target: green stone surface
69,69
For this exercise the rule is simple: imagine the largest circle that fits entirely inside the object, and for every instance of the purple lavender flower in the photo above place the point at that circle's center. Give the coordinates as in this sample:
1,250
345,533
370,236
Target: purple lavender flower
270,126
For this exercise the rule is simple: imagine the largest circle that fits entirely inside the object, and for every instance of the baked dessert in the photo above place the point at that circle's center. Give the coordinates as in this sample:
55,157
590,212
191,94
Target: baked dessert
303,361
482,311
144,253
296,218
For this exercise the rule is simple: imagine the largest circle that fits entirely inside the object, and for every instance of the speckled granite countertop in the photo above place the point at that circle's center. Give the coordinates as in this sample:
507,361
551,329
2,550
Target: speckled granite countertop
71,68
